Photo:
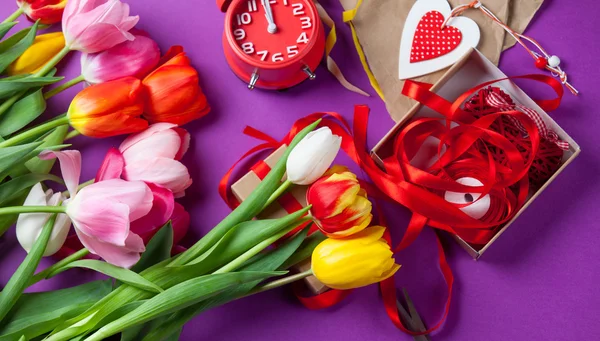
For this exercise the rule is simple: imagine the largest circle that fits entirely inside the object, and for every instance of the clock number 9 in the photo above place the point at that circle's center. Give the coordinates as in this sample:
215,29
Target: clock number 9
239,34
306,23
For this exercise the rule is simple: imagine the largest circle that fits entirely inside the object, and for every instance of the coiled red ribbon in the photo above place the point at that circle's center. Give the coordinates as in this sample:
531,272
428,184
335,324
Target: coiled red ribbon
419,189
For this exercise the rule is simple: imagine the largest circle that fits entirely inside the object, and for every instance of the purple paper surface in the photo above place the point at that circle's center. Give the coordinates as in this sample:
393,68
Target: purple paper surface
539,281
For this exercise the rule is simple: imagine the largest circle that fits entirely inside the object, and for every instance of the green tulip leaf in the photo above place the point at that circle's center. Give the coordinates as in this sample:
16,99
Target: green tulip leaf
241,238
305,250
268,261
157,250
23,112
13,47
38,313
20,278
7,220
5,27
121,274
11,86
54,138
178,297
14,155
11,189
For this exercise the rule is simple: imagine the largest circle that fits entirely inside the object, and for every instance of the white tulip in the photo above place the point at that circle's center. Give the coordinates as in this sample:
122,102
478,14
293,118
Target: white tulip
312,156
29,225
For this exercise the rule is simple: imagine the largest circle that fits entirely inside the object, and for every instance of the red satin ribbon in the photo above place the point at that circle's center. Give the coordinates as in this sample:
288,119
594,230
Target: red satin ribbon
409,186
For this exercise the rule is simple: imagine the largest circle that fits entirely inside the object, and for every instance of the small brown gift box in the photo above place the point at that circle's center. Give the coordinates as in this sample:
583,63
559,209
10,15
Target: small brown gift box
296,195
473,69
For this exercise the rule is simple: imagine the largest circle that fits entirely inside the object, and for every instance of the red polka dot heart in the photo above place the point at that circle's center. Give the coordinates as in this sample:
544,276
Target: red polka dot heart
430,41
425,47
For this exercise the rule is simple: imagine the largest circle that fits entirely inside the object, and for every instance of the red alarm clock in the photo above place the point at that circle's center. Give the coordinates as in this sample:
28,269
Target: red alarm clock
272,44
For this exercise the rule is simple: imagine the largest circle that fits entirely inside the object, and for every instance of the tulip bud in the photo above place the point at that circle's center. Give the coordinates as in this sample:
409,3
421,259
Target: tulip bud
43,49
174,95
355,261
29,225
48,12
339,206
312,156
108,109
131,58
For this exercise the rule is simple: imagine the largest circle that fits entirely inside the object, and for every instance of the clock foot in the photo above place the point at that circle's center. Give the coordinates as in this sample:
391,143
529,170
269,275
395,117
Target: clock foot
253,81
311,75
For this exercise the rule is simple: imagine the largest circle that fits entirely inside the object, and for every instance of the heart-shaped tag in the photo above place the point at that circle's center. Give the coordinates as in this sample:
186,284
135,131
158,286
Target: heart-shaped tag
425,47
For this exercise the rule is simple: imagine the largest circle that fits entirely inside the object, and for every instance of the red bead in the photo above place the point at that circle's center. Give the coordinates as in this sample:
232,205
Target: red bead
541,63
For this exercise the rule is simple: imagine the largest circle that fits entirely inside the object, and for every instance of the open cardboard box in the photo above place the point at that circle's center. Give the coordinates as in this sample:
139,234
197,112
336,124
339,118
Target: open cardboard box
474,68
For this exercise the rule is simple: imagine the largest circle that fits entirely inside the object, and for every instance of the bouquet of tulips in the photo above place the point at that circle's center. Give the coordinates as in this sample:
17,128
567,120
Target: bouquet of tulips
126,222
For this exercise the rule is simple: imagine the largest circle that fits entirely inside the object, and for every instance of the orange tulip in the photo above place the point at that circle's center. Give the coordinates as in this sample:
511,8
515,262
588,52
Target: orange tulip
339,206
109,109
46,11
174,94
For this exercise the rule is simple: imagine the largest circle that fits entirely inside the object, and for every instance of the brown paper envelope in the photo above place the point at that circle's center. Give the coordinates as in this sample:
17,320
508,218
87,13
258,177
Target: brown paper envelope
379,27
519,15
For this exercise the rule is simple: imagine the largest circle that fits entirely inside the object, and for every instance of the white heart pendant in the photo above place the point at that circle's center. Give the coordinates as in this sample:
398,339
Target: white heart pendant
425,49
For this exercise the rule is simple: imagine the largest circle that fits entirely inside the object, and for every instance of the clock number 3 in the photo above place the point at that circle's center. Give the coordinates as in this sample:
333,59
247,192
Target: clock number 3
306,23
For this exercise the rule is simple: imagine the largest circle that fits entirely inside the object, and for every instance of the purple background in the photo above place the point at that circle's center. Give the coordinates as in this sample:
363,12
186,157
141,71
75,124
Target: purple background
539,281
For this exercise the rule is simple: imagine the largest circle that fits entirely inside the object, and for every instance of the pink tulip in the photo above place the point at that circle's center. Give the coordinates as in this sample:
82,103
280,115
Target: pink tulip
180,219
153,156
131,58
102,212
92,26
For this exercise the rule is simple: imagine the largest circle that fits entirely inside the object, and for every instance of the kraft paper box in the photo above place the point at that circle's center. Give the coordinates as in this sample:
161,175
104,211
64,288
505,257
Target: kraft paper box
247,183
474,68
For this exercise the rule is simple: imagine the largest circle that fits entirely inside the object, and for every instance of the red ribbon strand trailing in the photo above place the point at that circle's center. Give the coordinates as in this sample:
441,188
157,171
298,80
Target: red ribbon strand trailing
467,139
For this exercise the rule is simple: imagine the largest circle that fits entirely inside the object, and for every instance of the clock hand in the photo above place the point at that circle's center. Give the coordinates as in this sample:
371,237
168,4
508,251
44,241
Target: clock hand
271,27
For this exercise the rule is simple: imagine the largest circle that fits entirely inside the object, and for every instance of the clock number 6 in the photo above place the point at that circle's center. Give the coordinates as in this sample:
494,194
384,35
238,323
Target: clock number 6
306,23
277,57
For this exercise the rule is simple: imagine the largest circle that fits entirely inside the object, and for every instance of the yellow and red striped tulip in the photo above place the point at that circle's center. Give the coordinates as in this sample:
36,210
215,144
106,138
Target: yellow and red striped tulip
109,109
48,12
339,205
174,94
355,261
43,49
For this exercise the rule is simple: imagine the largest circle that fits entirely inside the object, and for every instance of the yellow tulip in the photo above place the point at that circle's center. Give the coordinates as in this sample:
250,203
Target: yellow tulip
44,47
355,261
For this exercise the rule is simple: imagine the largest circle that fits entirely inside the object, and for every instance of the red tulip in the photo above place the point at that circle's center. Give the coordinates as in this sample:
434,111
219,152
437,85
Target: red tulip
174,94
109,109
46,11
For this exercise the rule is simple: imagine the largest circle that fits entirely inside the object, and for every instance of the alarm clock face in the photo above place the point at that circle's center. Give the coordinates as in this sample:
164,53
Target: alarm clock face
273,33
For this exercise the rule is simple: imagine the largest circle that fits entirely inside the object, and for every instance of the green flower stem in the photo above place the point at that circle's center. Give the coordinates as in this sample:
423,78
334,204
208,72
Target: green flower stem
281,282
85,184
34,132
72,134
32,209
13,16
52,62
243,258
278,192
70,259
10,101
64,86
